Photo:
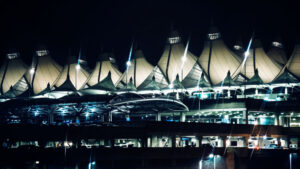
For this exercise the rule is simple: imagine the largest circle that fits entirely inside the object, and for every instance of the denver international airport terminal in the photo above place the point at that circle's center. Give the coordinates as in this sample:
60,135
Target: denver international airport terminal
228,102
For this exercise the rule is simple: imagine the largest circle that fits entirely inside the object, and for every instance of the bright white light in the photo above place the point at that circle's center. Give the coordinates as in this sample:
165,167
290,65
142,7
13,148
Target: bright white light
37,162
211,156
183,59
214,36
171,86
277,44
247,53
255,122
128,63
87,114
265,137
77,67
237,47
32,71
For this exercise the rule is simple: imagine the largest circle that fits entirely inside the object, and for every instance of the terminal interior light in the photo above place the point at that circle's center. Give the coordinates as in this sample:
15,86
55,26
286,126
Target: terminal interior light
77,67
32,71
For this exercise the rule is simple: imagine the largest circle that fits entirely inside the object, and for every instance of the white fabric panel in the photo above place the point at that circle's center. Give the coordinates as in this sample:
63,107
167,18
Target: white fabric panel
175,63
47,71
82,76
293,64
222,60
15,71
143,69
106,67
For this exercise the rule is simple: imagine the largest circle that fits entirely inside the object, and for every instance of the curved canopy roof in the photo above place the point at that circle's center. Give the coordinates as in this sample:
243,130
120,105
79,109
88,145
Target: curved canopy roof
12,74
176,60
139,69
47,72
73,73
293,64
102,69
267,68
217,59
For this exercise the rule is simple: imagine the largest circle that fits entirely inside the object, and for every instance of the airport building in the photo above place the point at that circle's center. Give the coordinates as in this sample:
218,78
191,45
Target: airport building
225,97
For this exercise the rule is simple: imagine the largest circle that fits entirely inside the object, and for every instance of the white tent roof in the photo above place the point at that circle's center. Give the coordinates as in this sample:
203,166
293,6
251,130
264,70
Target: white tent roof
267,68
172,63
47,71
293,64
12,72
217,59
78,77
102,68
138,70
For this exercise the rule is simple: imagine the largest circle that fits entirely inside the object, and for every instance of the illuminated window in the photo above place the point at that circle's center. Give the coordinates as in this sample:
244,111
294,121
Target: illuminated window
173,40
11,56
277,44
214,36
42,52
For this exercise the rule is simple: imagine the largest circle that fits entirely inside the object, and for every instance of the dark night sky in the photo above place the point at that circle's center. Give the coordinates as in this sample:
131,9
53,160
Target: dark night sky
91,25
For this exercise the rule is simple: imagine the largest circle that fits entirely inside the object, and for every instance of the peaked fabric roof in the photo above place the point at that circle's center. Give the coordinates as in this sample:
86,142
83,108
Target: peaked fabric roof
177,84
268,69
152,85
139,69
286,77
12,72
293,64
172,63
255,80
278,54
129,86
203,82
105,84
228,81
217,59
78,77
47,71
102,69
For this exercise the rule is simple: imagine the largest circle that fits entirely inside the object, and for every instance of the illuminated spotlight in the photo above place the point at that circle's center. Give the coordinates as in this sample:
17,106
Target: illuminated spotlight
247,53
171,86
265,137
37,162
255,122
237,47
36,113
77,67
128,63
183,59
32,71
87,114
211,155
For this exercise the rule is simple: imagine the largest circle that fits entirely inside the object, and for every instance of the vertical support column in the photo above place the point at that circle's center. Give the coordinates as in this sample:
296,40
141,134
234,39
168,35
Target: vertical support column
182,116
199,138
158,116
51,118
154,141
224,141
144,142
109,116
112,142
278,142
277,120
288,141
245,114
246,141
173,139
